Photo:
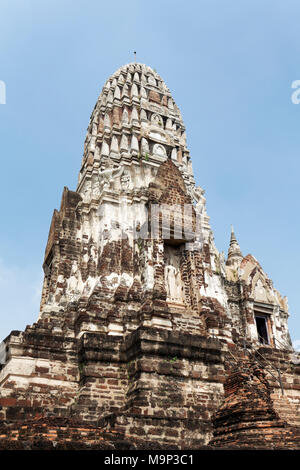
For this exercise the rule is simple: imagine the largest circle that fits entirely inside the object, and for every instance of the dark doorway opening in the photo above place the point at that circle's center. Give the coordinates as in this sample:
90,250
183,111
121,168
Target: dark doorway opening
262,329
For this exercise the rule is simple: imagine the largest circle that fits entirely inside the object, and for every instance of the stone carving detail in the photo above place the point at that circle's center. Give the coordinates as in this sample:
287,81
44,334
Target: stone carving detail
260,291
124,144
125,180
87,289
173,280
156,120
160,150
125,118
107,176
87,191
74,281
151,80
104,149
198,197
145,146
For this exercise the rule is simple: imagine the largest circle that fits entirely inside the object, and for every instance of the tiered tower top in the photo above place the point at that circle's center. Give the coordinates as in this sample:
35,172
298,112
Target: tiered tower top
135,119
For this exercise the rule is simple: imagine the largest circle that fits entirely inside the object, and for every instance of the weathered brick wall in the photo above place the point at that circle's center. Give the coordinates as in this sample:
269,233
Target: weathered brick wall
154,376
247,418
41,374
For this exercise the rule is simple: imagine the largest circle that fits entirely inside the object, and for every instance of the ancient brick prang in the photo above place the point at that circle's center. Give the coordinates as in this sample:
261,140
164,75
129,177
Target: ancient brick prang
140,313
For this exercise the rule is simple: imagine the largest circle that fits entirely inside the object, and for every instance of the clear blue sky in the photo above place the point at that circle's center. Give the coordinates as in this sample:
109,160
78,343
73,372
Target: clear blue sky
229,65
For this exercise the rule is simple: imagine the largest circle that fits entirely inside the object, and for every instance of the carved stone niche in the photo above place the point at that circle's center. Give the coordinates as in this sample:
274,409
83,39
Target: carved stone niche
157,121
125,180
159,150
172,273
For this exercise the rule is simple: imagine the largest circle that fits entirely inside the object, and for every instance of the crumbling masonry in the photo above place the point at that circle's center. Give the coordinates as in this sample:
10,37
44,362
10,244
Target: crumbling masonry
147,336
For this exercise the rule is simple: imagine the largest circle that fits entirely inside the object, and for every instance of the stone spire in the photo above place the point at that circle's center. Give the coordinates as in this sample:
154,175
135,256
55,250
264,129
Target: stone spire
234,252
135,120
135,139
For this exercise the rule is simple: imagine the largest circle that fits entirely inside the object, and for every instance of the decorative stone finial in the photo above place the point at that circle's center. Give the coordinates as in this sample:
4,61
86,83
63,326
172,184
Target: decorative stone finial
234,252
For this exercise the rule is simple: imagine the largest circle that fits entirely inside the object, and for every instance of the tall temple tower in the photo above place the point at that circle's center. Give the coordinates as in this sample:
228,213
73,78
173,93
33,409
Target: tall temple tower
140,313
